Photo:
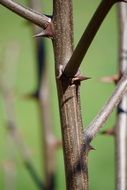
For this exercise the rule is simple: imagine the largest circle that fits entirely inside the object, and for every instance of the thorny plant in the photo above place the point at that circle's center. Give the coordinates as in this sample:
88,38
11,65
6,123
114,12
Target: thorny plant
59,27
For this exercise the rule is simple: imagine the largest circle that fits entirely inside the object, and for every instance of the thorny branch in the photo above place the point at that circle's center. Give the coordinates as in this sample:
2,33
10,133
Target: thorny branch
104,113
37,18
76,174
84,43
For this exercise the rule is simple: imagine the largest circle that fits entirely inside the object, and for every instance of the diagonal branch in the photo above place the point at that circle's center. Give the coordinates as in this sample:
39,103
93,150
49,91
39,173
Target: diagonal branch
29,14
103,115
16,136
83,45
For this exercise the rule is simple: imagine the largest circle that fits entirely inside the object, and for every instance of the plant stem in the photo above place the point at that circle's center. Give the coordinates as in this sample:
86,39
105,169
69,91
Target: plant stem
7,81
18,141
34,17
49,141
69,103
104,113
87,37
121,125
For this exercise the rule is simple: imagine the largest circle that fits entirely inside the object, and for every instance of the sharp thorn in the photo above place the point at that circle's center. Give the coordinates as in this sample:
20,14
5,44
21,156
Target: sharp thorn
47,32
79,78
91,148
82,78
41,34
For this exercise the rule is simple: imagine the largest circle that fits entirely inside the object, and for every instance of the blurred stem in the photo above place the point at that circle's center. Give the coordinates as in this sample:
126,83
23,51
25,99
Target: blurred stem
49,142
121,125
12,130
9,164
8,96
98,122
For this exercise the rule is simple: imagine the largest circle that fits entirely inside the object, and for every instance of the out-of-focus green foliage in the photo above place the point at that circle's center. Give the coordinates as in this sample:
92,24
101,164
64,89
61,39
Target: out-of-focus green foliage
101,60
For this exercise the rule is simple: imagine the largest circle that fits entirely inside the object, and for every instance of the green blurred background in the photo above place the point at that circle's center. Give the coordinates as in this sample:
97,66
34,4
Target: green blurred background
101,60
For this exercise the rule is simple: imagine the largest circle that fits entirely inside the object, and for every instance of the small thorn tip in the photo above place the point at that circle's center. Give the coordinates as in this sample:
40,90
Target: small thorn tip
109,132
41,34
110,79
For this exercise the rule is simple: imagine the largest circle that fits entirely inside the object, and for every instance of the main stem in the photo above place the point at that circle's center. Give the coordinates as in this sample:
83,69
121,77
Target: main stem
69,101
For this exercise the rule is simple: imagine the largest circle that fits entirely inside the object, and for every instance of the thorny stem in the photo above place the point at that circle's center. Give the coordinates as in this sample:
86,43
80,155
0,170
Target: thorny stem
83,45
121,125
104,113
34,17
69,101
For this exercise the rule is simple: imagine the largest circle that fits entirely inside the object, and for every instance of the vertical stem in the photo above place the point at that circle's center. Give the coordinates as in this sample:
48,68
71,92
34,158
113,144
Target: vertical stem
69,100
49,142
121,128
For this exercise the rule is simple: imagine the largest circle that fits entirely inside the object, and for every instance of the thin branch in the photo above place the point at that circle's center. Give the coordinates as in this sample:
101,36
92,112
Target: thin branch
15,135
103,115
49,141
7,91
83,45
9,172
29,14
121,125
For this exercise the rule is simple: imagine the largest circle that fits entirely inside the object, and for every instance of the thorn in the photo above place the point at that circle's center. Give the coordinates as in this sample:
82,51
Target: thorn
47,32
91,148
41,34
72,79
79,78
110,79
109,132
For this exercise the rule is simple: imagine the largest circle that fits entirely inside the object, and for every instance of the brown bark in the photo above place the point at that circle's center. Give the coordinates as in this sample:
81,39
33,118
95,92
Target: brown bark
69,103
